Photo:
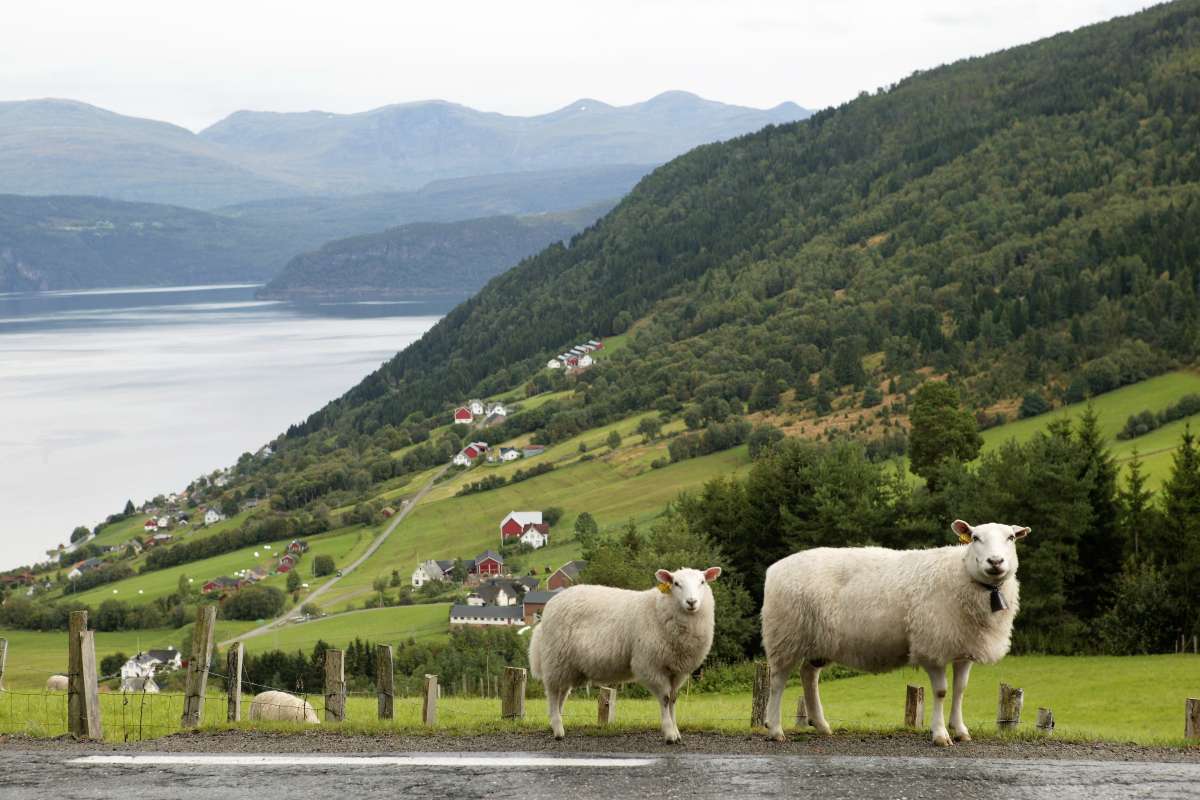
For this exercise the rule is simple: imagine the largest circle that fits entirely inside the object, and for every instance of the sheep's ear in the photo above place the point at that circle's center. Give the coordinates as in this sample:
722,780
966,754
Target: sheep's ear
712,573
1020,531
664,576
962,529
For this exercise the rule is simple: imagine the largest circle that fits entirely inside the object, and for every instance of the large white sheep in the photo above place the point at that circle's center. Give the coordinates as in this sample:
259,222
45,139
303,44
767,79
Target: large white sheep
56,683
281,707
876,609
598,634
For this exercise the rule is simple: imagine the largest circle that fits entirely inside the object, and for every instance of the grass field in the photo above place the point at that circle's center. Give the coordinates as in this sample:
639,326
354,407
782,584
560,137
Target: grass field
379,625
1134,699
1113,408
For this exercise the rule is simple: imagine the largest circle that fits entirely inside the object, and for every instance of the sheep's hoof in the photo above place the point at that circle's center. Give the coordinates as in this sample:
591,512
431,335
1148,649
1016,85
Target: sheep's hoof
673,738
559,735
962,736
823,728
941,739
777,736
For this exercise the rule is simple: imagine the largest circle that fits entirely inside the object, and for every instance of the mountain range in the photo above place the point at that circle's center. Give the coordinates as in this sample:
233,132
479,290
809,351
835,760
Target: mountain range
66,147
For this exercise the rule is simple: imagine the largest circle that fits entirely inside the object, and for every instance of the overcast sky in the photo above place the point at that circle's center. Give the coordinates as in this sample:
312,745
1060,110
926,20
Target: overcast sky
194,63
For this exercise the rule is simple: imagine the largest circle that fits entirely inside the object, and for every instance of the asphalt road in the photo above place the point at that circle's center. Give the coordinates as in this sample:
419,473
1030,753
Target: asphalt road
44,773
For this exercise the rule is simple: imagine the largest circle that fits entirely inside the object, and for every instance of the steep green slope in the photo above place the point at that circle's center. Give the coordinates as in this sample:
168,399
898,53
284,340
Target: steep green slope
446,258
1016,220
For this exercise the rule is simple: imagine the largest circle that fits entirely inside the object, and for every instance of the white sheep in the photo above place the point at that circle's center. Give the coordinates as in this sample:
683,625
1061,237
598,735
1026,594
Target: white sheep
56,683
281,707
598,634
876,609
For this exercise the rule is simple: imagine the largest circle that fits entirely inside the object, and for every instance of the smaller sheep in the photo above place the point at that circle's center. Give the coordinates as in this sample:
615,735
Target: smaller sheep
281,707
598,634
56,683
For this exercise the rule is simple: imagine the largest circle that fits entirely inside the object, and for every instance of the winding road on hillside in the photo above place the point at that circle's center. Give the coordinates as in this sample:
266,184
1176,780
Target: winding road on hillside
321,590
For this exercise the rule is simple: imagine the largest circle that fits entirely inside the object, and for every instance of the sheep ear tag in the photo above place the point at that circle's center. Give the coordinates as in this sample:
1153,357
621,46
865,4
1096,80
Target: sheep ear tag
964,538
998,601
665,588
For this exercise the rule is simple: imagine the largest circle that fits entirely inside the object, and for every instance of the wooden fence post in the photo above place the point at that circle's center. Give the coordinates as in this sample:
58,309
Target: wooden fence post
606,705
1195,644
762,690
335,685
1191,728
3,658
429,705
197,668
1008,712
914,706
233,672
385,680
512,693
1045,721
83,690
801,712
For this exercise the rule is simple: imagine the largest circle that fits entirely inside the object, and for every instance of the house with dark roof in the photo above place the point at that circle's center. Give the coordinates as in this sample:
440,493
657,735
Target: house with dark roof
483,616
488,562
534,603
566,576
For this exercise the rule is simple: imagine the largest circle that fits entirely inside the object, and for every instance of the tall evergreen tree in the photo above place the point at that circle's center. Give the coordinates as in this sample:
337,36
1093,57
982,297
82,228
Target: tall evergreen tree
1100,544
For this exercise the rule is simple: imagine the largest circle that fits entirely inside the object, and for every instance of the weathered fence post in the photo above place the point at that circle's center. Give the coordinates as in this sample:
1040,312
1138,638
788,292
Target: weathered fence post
197,668
1195,644
1191,728
1008,712
512,693
429,705
233,672
914,706
1045,721
385,680
83,689
335,686
606,705
3,658
801,712
762,690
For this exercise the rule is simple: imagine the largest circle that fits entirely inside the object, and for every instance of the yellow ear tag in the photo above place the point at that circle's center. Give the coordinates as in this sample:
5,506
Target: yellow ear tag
964,538
665,588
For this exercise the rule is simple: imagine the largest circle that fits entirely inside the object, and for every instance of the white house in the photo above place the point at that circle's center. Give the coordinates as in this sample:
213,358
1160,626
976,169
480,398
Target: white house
476,407
509,454
431,570
585,361
553,363
137,675
164,522
213,516
497,410
486,615
534,537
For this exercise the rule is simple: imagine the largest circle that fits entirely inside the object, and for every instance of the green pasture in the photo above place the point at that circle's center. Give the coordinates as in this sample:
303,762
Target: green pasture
379,625
1131,699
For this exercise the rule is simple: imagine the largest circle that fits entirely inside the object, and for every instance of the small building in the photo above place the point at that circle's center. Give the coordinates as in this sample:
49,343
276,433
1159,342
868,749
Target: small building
150,525
497,410
596,343
554,363
297,547
83,566
387,512
431,570
534,603
164,522
287,562
488,563
509,454
566,576
513,525
531,450
585,361
476,408
462,416
484,616
222,584
212,516
536,535
499,592
138,673
161,538
530,582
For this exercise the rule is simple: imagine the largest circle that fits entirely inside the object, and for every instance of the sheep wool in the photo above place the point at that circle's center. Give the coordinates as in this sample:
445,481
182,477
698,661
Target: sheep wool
275,706
602,635
876,609
56,683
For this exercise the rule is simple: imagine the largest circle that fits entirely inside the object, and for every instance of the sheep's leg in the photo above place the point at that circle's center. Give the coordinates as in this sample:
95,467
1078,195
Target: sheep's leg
555,698
660,687
937,723
676,684
962,673
779,678
809,676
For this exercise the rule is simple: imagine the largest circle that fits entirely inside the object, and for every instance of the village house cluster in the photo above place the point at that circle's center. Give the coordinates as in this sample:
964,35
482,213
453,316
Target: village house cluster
287,562
578,357
487,414
473,451
513,601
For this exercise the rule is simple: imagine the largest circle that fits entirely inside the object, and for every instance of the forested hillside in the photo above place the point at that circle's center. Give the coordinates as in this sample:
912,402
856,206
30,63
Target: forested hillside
444,258
1027,219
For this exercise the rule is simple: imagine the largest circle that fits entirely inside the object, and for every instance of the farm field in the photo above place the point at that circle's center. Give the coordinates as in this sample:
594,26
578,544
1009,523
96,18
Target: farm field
1084,692
463,527
377,625
1113,408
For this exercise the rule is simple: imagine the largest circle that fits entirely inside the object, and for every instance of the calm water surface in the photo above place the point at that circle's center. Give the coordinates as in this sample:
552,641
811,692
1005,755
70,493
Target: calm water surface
122,394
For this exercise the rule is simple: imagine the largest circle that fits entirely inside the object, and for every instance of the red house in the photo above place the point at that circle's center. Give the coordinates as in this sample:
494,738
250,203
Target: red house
512,526
150,525
462,415
565,576
488,563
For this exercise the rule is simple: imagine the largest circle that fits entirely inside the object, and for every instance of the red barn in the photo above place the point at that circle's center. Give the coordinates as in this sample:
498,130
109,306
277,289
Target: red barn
512,526
565,576
462,415
489,563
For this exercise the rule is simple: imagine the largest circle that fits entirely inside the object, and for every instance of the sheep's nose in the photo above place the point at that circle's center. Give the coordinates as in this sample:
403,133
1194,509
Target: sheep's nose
692,603
996,561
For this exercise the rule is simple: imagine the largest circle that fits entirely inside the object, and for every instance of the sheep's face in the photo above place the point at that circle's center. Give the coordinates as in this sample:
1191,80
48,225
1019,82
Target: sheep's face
688,587
991,549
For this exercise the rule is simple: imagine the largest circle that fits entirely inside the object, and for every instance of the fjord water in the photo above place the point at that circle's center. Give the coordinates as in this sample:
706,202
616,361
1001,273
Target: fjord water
122,394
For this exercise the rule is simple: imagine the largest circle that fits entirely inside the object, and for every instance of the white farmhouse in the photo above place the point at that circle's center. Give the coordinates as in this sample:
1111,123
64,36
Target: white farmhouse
476,407
554,363
534,537
212,516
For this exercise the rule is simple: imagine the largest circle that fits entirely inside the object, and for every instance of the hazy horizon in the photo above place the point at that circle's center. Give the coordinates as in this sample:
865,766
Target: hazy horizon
143,59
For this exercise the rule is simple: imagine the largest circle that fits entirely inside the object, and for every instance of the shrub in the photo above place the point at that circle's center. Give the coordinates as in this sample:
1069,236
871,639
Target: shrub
255,602
323,565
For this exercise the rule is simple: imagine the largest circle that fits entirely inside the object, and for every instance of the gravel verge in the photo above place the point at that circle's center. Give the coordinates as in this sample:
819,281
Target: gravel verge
843,744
